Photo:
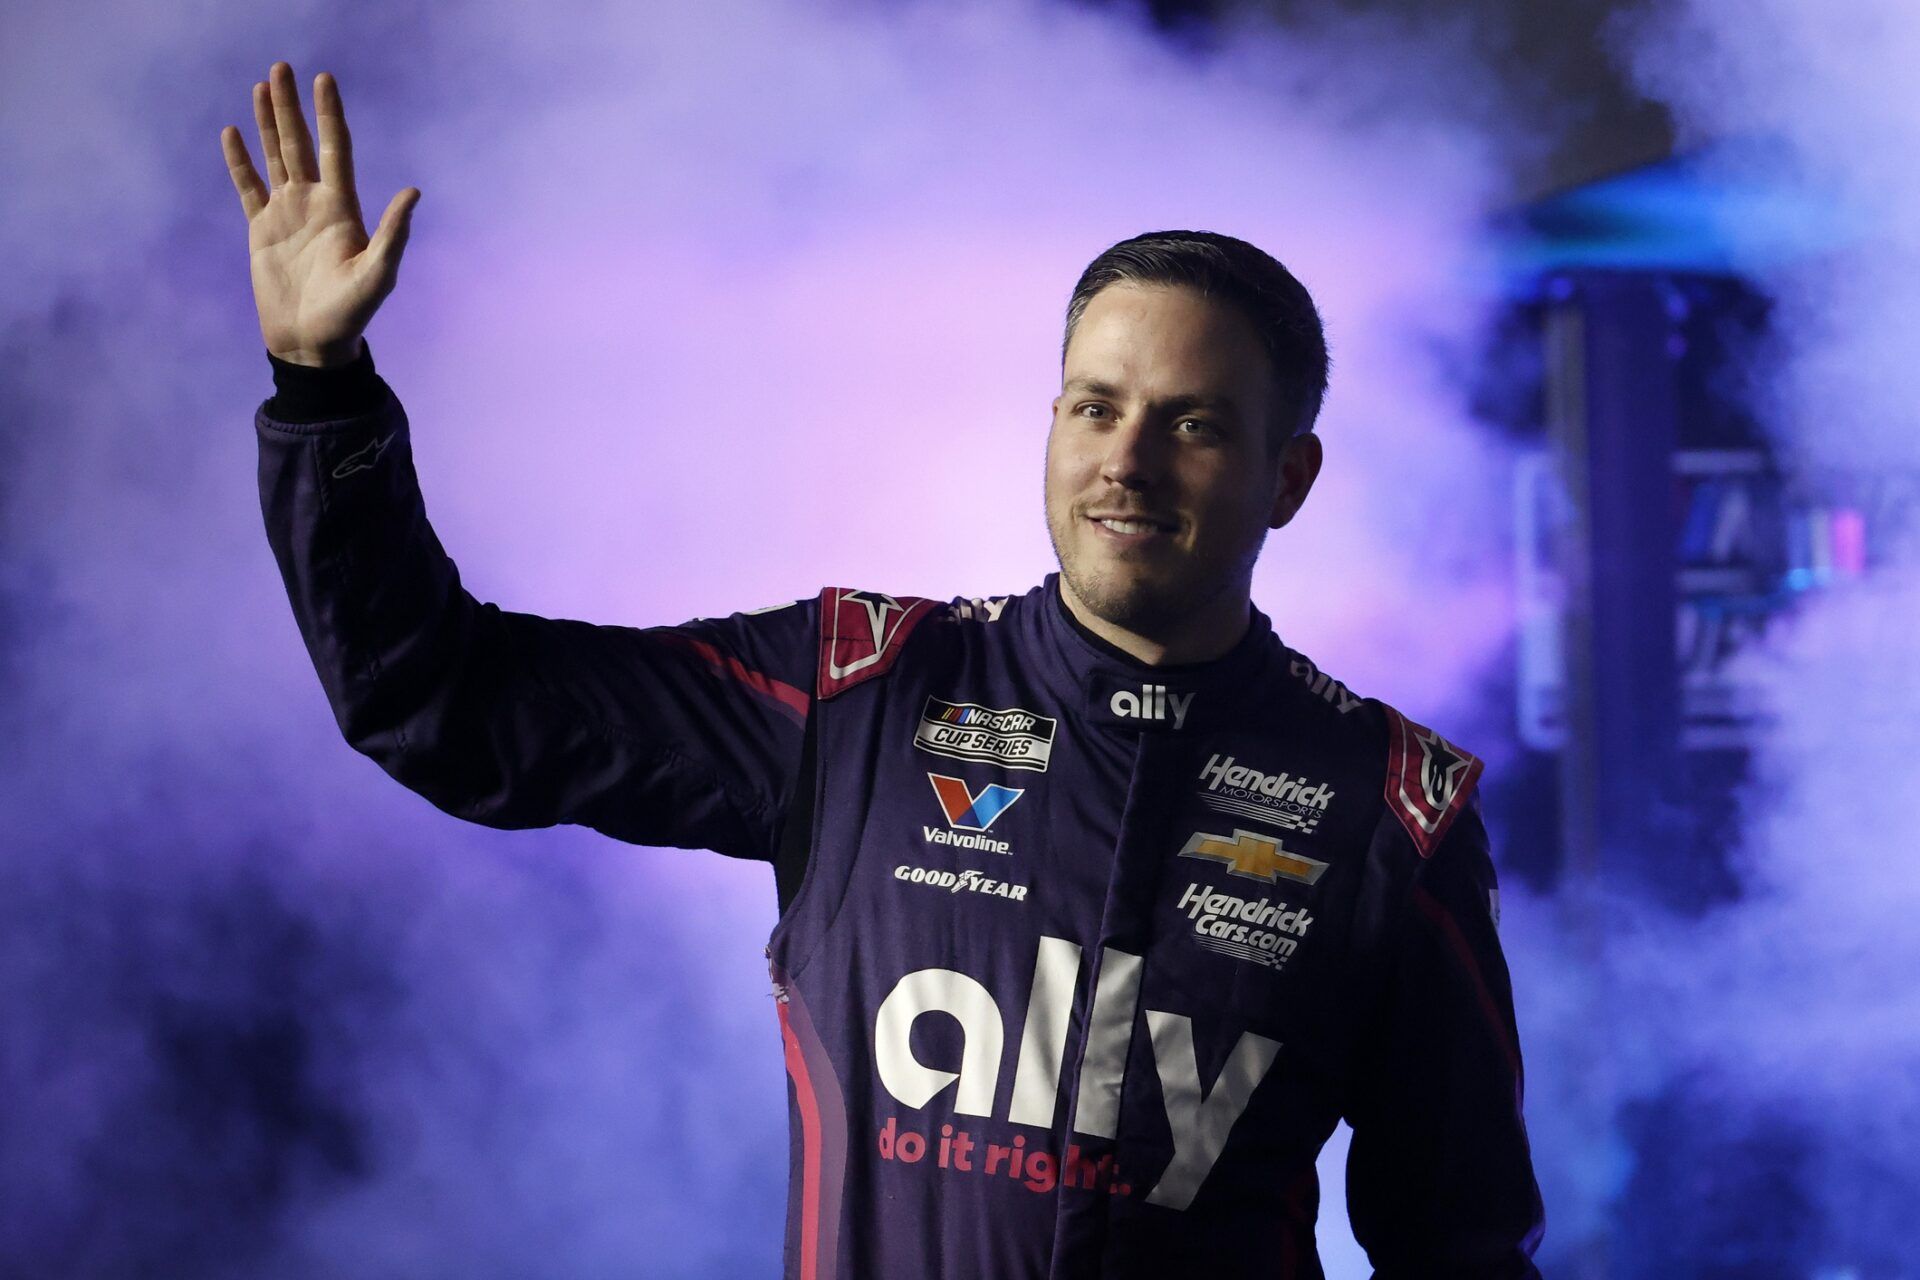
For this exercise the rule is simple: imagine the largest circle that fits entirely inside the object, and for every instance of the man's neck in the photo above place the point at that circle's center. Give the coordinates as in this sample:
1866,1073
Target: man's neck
1205,635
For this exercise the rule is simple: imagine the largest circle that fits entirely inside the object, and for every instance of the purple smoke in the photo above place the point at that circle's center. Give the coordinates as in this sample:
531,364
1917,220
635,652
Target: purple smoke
703,309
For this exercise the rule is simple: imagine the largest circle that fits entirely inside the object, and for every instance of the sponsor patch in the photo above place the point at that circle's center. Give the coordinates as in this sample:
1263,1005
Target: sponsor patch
1254,856
1135,705
1319,682
968,810
1428,780
1287,800
1151,702
986,609
964,839
1011,737
956,1102
968,881
1258,930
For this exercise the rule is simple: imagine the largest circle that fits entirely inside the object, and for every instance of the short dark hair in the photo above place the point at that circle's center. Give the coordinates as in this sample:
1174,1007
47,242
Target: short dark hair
1278,305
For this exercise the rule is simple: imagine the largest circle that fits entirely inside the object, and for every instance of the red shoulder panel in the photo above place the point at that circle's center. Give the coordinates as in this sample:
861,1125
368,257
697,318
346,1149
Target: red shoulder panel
1428,780
861,634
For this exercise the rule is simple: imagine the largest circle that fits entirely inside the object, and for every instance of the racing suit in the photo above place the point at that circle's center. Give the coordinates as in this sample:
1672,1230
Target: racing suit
1079,960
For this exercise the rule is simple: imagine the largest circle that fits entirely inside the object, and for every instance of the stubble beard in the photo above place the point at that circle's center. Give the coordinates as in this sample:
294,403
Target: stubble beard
1149,604
1145,603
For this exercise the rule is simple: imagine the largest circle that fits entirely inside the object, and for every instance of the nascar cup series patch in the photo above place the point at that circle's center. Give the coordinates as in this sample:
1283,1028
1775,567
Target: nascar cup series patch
1011,737
1428,780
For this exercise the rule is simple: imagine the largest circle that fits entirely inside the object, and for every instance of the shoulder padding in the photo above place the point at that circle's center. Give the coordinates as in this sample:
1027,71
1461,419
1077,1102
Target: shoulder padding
1429,780
862,634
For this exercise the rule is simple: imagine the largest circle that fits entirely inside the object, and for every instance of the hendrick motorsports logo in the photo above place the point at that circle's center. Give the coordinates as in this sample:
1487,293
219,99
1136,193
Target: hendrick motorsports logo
1257,857
1256,929
968,881
1287,800
1012,737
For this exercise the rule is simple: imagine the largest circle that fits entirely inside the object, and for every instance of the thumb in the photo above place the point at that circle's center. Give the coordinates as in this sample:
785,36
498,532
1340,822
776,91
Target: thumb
390,237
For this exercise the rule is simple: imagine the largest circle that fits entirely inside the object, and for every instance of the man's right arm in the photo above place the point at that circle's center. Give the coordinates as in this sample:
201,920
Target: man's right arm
686,736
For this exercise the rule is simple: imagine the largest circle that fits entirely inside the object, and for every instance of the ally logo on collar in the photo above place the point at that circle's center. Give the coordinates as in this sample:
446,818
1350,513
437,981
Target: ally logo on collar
1153,703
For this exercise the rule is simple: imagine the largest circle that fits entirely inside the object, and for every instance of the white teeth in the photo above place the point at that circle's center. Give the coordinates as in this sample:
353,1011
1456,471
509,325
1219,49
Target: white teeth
1129,526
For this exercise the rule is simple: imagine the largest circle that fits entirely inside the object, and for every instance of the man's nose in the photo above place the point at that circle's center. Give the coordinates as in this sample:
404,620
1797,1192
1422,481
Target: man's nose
1135,455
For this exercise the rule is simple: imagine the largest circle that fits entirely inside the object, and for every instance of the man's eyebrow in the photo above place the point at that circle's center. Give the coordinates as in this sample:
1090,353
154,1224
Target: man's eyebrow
1219,404
1176,404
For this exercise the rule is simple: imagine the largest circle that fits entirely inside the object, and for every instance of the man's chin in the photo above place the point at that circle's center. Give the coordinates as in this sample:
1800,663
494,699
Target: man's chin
1139,604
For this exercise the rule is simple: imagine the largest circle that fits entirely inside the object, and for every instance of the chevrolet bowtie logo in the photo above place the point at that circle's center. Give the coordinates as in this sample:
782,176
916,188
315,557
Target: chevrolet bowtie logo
1257,857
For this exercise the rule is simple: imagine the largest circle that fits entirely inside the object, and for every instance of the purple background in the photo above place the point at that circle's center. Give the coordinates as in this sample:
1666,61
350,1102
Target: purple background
703,309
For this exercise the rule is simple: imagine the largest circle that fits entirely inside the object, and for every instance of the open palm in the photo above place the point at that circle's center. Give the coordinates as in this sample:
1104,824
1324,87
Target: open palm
317,276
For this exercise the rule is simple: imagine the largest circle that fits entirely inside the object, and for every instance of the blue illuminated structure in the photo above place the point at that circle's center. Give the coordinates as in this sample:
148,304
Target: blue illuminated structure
1658,533
1718,211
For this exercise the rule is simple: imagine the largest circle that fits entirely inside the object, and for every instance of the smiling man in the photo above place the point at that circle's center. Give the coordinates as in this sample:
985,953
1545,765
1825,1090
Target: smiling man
1179,438
1099,905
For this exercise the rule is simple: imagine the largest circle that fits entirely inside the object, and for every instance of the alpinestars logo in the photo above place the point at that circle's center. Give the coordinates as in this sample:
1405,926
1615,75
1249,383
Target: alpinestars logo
1429,780
363,458
1441,768
883,616
970,811
1287,800
1254,856
1256,929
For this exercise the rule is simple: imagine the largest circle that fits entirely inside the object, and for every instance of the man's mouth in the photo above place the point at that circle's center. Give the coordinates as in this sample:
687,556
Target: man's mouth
1132,527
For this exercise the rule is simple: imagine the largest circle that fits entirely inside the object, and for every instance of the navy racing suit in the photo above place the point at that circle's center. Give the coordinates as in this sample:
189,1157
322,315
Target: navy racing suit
1079,960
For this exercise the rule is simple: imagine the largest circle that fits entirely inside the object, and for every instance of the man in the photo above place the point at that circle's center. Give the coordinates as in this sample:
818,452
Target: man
1099,906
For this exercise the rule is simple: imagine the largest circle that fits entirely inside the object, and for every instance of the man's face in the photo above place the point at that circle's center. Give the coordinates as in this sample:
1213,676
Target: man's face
1161,478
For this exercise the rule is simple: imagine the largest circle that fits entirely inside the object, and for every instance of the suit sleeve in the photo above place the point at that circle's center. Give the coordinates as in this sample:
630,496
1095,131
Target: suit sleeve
687,736
1439,1177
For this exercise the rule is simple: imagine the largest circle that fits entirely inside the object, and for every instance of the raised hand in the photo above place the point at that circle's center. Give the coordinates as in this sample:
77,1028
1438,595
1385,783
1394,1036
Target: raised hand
317,278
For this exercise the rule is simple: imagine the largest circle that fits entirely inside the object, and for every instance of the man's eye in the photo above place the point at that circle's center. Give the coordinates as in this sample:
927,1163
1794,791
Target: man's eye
1197,425
1093,410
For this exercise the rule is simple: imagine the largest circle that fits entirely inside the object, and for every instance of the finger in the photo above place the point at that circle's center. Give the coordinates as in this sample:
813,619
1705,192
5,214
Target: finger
269,135
396,225
336,145
246,180
296,144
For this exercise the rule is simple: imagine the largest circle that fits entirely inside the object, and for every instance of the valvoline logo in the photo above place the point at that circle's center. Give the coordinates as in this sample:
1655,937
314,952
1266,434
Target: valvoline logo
972,810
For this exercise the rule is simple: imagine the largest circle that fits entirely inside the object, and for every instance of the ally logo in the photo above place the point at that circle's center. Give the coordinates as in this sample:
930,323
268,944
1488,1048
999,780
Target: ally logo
970,810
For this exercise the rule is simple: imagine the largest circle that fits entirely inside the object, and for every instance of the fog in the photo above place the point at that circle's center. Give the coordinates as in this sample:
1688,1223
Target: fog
703,310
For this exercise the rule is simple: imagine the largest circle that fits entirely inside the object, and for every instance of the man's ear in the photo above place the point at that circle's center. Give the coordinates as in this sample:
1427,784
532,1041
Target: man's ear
1300,460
